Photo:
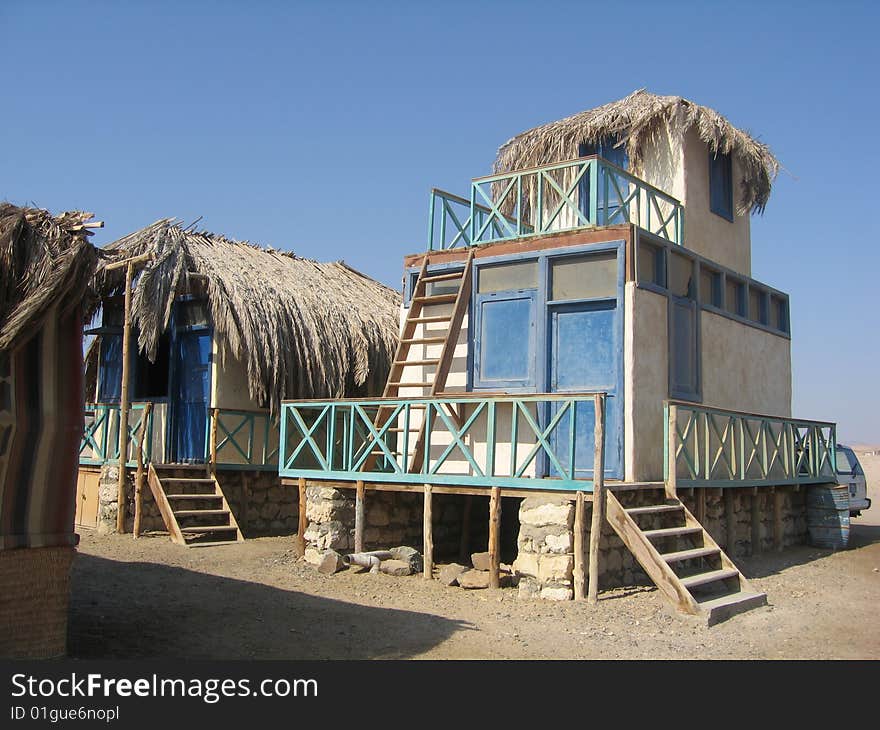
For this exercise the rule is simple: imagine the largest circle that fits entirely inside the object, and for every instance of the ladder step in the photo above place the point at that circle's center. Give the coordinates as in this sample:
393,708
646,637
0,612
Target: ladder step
192,512
410,385
654,509
429,320
672,532
443,277
193,496
710,577
417,362
678,556
436,299
424,340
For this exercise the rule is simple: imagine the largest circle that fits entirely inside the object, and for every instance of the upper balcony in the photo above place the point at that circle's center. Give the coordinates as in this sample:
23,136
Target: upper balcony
586,192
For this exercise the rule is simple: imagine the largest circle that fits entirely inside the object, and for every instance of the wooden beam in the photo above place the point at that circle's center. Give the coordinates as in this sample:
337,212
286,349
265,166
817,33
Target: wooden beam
778,529
598,516
700,506
139,476
244,501
579,568
301,529
133,261
428,536
494,537
756,505
730,520
124,404
212,456
359,518
465,543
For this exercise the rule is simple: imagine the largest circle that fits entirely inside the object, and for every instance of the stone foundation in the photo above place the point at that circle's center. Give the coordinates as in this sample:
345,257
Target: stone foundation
261,504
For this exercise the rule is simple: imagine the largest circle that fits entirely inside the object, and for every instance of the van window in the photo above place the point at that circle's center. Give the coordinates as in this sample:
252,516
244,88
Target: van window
847,463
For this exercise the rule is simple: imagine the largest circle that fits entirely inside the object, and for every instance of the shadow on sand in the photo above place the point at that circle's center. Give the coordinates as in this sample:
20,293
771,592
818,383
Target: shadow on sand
147,610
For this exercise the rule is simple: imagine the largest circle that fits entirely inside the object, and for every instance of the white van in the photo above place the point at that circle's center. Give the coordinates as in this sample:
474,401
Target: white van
850,474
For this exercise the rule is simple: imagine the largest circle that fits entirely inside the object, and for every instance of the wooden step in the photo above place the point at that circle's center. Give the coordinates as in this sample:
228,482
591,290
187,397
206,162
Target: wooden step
678,556
194,496
710,576
722,607
430,320
417,362
186,480
436,299
193,512
654,509
443,277
208,528
424,340
672,532
210,543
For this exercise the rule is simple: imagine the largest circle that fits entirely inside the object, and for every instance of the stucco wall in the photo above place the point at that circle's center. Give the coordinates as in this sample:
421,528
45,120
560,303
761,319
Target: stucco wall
229,387
646,382
744,368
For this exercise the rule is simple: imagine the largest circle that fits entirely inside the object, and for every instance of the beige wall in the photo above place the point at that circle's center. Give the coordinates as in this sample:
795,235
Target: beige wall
744,368
229,388
646,382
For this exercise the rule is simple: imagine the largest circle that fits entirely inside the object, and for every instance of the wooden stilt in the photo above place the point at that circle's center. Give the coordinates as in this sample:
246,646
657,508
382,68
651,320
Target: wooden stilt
494,537
301,509
700,506
778,529
756,506
139,476
598,515
464,548
580,577
730,521
359,518
244,503
428,536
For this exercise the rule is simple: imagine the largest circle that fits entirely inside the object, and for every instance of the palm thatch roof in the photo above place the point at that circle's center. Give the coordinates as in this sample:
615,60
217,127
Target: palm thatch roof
304,329
637,120
44,259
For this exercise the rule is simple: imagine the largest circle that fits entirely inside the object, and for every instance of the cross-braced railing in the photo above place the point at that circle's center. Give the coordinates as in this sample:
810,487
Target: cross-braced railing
100,441
242,439
579,193
710,447
528,442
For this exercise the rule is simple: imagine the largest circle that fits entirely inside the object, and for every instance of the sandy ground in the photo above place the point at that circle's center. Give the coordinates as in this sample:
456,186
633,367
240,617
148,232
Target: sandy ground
151,599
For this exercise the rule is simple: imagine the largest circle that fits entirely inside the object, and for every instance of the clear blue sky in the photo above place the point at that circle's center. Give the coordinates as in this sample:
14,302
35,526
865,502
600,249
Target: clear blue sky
319,127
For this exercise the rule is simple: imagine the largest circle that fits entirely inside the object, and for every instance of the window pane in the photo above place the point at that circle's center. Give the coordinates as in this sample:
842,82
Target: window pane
681,271
721,185
110,369
584,277
505,338
651,264
509,277
192,313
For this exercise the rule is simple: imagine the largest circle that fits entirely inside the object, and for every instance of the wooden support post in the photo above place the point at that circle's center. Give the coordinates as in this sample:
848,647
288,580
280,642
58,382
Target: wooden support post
598,516
730,521
123,404
580,577
756,505
244,503
139,476
778,529
212,456
428,537
301,529
464,547
672,450
494,537
359,518
700,496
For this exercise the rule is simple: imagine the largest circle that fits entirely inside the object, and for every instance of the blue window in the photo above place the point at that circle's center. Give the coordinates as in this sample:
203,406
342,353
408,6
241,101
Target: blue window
504,355
721,185
110,369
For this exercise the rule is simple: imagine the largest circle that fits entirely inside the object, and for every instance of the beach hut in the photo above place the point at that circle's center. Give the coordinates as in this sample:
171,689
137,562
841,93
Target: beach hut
46,264
221,332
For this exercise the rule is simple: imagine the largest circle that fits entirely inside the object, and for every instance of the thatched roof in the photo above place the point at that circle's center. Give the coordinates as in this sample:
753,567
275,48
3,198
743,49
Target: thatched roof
304,329
638,119
44,259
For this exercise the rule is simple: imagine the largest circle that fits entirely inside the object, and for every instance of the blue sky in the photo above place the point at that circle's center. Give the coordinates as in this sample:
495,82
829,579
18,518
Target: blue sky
319,127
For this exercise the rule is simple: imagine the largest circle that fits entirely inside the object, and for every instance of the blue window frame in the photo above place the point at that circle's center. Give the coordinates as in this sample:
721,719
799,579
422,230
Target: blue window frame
721,185
504,353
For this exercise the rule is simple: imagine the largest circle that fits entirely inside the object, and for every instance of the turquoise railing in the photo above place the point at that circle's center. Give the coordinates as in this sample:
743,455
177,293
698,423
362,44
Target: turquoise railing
710,447
579,193
100,441
475,440
242,439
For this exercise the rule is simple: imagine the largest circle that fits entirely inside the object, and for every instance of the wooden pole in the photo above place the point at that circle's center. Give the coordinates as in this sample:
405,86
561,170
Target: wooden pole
598,515
123,404
580,577
465,543
212,457
700,496
494,537
756,506
359,518
301,530
139,477
730,519
672,450
428,541
778,531
243,503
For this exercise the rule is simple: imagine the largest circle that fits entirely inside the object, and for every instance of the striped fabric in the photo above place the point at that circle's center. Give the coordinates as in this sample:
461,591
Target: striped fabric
41,405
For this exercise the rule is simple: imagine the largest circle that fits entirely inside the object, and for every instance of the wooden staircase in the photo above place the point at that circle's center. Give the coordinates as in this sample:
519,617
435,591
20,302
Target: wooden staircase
682,559
444,330
194,508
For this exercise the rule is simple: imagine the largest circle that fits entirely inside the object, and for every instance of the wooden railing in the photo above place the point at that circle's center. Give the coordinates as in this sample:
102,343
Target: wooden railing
242,439
711,447
100,441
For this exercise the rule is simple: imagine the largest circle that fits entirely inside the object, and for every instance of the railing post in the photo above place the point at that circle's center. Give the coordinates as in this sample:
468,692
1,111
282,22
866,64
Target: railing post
431,223
579,572
212,455
494,537
359,517
428,536
672,449
473,214
594,191
598,516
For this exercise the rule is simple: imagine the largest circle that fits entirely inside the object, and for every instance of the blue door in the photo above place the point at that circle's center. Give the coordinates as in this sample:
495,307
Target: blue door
189,407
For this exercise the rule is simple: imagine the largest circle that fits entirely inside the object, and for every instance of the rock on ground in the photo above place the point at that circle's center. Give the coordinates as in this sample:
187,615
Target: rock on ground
396,567
448,574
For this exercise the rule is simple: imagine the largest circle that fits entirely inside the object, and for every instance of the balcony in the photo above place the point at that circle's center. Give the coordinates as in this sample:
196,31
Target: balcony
582,193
